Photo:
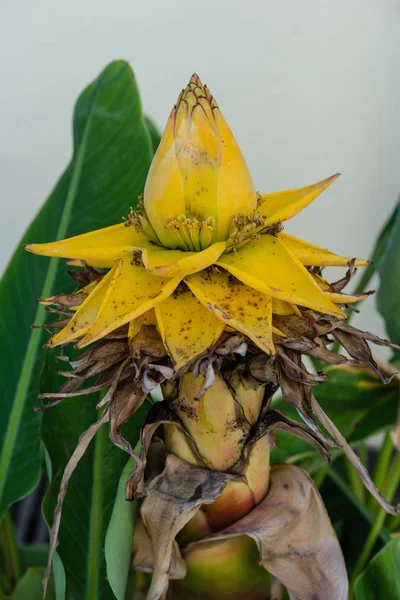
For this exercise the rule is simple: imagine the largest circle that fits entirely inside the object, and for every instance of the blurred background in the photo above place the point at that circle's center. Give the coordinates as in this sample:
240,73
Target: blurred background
309,88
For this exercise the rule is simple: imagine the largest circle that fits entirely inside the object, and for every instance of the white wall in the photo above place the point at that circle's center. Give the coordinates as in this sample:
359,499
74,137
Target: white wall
310,87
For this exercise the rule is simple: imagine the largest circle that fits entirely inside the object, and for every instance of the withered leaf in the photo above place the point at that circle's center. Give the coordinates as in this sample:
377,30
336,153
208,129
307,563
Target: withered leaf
275,419
300,397
65,300
125,401
325,355
173,498
60,324
83,278
339,285
367,335
358,349
294,536
147,341
104,354
124,369
290,362
159,415
143,554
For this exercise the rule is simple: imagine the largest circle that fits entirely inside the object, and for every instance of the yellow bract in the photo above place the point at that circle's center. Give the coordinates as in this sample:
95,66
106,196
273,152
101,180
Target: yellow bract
268,266
198,173
281,206
196,146
86,315
97,248
186,327
239,306
176,263
131,292
236,193
311,255
163,183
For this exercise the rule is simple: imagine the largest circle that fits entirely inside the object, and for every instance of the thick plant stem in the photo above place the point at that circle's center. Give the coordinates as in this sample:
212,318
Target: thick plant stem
320,476
393,523
393,483
341,483
363,454
355,482
12,558
94,550
381,468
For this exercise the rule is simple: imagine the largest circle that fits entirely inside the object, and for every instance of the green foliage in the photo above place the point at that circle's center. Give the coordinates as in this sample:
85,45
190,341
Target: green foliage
389,272
379,253
88,506
118,542
381,578
30,586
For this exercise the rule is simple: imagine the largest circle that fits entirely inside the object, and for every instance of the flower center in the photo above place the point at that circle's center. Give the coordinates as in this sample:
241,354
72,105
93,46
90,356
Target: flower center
190,233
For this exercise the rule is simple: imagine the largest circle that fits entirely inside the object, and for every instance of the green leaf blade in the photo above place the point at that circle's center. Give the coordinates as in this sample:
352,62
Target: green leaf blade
389,270
90,499
30,586
118,542
381,577
379,251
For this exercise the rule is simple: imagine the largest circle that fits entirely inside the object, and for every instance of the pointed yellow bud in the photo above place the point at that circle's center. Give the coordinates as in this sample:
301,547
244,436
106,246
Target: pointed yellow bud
198,181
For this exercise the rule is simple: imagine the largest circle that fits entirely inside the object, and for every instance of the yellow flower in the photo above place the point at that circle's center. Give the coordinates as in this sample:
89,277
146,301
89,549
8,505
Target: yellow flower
204,251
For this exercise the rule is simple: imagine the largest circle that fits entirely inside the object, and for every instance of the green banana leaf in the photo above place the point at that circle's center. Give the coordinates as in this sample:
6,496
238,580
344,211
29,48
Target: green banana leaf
380,580
112,152
118,542
30,586
379,251
387,299
91,495
350,516
116,170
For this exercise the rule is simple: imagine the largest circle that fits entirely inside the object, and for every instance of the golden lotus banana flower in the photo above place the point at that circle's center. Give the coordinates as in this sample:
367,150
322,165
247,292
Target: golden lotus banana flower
203,252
